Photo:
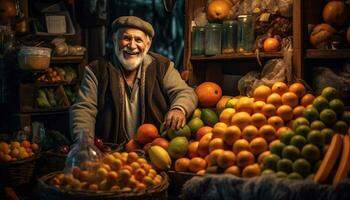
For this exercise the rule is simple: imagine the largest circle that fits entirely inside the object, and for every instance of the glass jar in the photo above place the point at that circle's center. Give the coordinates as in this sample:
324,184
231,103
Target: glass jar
245,33
229,36
213,39
198,40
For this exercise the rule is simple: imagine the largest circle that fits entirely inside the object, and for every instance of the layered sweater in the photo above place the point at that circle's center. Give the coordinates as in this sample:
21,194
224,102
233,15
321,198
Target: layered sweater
100,105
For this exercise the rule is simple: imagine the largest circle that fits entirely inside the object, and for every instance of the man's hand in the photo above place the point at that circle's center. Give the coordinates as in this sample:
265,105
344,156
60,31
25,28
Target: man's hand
175,119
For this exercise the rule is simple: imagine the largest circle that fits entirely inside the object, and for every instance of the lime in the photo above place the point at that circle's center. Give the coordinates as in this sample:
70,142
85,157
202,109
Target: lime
231,103
299,141
300,121
327,134
328,116
318,125
291,152
302,166
182,132
285,165
270,161
346,117
267,172
311,153
340,127
277,148
337,105
281,174
295,176
311,113
302,130
195,124
320,103
329,93
286,136
209,117
316,137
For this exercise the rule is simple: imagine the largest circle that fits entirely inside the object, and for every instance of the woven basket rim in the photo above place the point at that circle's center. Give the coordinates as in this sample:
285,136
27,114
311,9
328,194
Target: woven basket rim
21,161
164,185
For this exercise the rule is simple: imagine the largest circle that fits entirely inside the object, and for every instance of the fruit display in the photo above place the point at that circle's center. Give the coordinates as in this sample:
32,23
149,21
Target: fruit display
17,150
118,172
58,74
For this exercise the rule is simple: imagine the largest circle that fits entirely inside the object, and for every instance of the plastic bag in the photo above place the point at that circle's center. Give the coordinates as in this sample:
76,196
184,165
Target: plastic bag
340,80
84,155
246,82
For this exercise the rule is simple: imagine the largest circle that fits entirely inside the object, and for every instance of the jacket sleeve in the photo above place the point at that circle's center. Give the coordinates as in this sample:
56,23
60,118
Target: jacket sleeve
83,112
180,94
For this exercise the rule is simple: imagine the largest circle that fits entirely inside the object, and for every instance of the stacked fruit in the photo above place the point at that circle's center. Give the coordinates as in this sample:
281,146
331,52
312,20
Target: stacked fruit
17,150
118,172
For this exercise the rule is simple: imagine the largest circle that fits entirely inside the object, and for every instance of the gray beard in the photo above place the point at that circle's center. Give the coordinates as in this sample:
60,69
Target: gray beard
127,65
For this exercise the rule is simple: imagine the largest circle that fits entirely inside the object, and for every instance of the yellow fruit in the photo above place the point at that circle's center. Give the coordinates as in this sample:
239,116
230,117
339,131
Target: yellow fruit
250,132
218,10
258,145
245,158
298,89
181,164
274,99
192,149
271,45
269,110
196,164
307,99
240,145
216,143
212,157
159,157
226,115
298,111
261,93
262,156
258,120
218,132
285,112
279,88
245,104
276,122
226,159
290,98
221,105
232,134
251,171
234,170
241,120
258,106
268,132
203,146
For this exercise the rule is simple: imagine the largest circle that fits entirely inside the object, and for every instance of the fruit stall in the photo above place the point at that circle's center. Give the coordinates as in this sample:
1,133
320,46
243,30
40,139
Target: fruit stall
272,79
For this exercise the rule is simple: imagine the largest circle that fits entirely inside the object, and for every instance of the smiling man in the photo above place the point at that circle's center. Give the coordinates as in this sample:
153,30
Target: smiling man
133,87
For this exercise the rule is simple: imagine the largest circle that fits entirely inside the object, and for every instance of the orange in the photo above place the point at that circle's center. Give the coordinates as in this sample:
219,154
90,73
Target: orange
196,164
218,131
290,98
220,124
251,171
298,89
146,133
258,120
276,122
281,130
182,164
274,99
298,111
25,144
258,145
268,132
271,45
226,115
234,170
274,142
240,145
203,145
192,149
202,131
250,132
285,112
262,156
220,106
269,110
132,157
216,143
258,106
201,172
245,104
245,158
232,134
261,93
213,156
279,88
226,159
241,119
307,99
208,93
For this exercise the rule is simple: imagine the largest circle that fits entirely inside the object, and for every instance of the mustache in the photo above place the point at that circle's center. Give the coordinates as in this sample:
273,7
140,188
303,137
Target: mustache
129,50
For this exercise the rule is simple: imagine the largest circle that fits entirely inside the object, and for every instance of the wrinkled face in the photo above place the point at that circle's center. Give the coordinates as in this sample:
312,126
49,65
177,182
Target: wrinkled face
131,45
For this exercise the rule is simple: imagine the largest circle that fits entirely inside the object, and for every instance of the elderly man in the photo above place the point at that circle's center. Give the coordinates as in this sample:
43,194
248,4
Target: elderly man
133,87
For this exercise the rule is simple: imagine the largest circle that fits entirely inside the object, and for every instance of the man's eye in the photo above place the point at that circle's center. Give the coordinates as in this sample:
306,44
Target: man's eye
139,40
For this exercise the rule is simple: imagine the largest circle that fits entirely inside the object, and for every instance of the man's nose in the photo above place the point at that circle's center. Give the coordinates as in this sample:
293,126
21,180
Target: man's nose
132,44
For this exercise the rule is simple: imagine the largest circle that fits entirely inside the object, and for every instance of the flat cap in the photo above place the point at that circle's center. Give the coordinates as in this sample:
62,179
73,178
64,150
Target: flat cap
133,22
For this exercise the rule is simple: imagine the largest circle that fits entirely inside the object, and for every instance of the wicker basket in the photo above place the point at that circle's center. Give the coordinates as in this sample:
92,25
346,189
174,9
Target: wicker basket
50,192
51,162
18,172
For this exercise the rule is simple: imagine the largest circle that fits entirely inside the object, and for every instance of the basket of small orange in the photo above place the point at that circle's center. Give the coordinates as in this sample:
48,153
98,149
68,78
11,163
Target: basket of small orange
118,176
17,162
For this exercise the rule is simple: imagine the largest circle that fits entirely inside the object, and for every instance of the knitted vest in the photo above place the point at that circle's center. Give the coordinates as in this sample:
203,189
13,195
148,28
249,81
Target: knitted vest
110,101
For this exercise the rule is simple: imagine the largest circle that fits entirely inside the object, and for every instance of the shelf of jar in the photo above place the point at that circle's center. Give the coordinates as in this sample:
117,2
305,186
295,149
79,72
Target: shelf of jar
237,56
328,54
67,59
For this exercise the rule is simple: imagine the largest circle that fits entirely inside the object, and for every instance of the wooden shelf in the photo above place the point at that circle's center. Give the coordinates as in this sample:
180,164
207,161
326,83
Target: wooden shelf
237,56
67,59
327,54
48,111
49,84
